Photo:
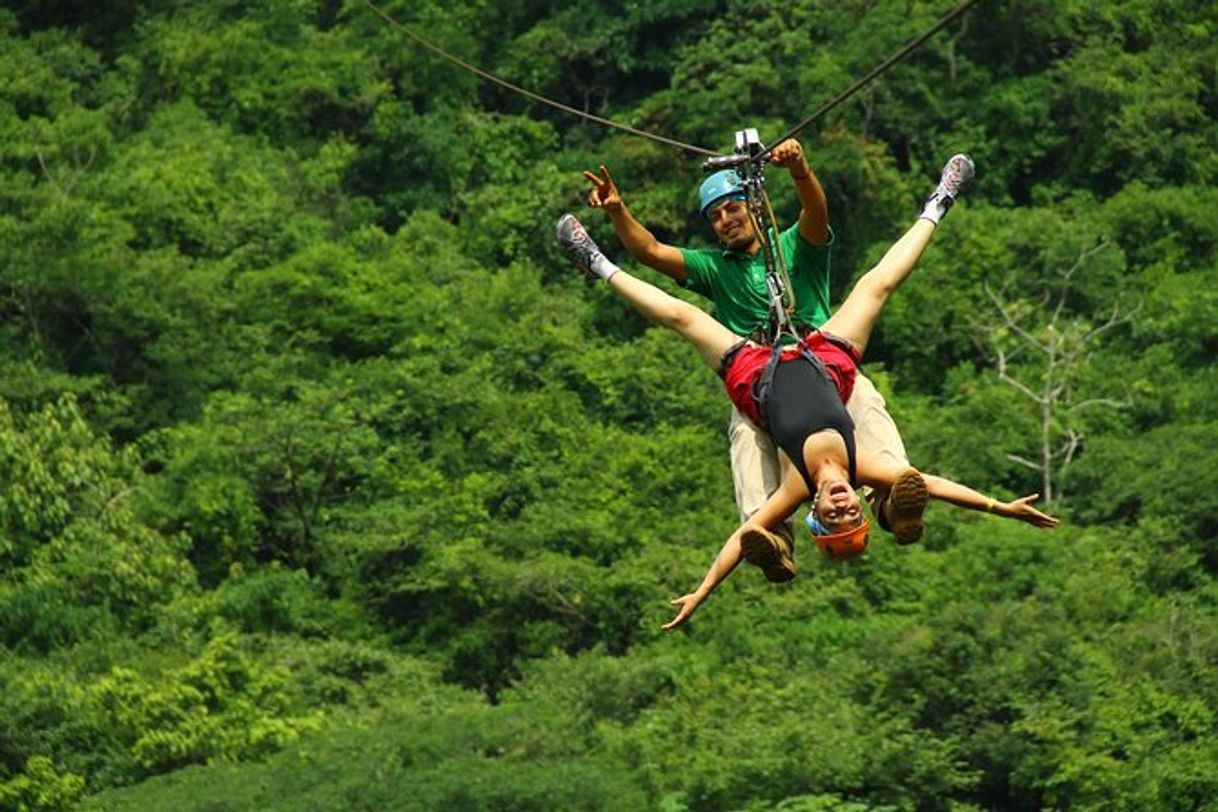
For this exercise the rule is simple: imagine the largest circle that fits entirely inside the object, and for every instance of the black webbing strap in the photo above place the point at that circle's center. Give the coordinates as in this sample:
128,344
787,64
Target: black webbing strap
765,383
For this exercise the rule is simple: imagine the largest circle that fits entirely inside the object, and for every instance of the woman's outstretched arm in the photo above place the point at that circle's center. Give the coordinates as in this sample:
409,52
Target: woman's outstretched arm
872,471
965,497
726,561
781,504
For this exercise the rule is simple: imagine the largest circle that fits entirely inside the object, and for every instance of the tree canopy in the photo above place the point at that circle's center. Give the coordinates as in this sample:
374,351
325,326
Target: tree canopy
327,483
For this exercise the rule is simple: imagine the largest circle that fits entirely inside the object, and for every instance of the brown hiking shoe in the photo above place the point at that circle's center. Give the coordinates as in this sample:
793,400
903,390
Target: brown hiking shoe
772,553
905,505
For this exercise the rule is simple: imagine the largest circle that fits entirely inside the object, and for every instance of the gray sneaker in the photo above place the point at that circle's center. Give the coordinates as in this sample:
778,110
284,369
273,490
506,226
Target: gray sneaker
957,173
578,244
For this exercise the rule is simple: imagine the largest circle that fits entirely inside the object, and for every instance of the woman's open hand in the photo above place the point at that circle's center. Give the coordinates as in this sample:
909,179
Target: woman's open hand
1022,509
687,603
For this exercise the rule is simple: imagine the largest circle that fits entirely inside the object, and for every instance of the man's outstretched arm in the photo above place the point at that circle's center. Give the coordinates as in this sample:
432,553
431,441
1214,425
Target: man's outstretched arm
637,239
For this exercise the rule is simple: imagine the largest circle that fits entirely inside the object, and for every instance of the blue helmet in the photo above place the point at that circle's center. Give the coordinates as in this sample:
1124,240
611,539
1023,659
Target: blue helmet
723,185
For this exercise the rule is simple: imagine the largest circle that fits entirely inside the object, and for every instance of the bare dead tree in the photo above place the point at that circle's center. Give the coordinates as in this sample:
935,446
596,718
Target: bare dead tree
1064,343
64,183
951,48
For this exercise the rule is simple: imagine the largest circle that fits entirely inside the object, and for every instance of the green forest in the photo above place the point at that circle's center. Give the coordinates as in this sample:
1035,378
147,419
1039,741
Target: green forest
328,483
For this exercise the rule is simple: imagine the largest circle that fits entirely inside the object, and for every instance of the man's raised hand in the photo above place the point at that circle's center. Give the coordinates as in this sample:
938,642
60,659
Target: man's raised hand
790,154
603,194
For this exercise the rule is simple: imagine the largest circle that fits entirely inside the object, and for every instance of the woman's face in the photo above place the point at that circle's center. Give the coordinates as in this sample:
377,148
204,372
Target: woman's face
837,506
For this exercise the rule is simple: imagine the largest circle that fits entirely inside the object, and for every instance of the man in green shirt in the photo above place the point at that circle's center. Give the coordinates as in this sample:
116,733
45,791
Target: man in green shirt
733,278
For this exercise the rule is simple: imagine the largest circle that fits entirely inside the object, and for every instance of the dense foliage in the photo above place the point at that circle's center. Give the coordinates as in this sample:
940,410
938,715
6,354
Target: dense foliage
328,485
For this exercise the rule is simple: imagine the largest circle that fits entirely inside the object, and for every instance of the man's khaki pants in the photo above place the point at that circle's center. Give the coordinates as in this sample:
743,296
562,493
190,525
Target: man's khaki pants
758,465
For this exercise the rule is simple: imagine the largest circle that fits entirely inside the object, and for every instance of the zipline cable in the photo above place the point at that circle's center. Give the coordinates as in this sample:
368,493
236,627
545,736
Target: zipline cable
528,93
820,111
874,72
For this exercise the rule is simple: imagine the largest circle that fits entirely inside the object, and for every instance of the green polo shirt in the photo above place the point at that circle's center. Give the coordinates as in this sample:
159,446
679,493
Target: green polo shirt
735,282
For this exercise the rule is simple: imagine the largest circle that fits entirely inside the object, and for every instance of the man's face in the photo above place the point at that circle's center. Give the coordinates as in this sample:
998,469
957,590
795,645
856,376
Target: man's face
732,224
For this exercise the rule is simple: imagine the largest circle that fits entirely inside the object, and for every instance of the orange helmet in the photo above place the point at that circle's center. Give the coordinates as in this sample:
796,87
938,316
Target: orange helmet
844,545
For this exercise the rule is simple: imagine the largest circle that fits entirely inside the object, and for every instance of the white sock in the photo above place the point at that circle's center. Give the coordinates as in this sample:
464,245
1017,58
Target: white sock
936,207
602,267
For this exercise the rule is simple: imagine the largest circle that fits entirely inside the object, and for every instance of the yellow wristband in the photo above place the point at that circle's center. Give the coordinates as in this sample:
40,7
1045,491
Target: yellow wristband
989,504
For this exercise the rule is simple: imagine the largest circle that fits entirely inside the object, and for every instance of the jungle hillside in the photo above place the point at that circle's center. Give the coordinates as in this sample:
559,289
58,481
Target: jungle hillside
327,483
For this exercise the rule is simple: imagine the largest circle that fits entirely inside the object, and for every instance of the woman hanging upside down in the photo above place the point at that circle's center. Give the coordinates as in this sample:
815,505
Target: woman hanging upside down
799,399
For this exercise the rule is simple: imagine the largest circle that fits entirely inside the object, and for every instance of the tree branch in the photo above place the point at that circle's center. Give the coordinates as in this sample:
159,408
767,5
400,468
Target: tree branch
1035,466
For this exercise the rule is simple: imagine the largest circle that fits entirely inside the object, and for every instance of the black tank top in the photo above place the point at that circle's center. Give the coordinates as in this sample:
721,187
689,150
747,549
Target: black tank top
801,402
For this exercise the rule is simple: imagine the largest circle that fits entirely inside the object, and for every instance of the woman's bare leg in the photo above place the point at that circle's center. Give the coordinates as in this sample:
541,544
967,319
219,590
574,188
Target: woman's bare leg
710,338
856,317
